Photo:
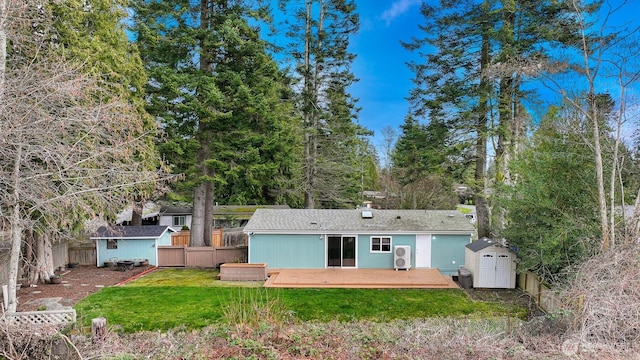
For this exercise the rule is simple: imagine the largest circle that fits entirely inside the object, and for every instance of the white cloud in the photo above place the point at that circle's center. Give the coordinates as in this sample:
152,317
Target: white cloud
398,8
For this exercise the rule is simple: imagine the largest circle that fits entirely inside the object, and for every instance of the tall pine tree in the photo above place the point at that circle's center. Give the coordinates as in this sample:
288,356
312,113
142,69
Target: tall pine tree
218,96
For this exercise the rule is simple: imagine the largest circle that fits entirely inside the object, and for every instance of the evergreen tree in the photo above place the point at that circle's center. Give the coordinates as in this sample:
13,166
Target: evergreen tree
92,34
553,209
218,96
480,55
319,44
422,166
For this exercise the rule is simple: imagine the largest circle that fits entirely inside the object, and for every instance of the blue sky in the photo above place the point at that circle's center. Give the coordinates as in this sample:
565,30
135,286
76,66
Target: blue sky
385,79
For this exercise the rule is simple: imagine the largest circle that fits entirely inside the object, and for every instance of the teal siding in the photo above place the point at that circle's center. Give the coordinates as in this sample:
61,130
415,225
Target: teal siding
165,239
288,251
309,251
447,252
369,260
128,249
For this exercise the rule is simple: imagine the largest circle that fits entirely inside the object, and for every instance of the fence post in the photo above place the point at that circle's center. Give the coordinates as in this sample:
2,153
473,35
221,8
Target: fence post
98,330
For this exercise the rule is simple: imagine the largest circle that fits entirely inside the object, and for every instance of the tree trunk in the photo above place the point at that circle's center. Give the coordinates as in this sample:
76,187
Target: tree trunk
136,211
44,258
202,217
602,201
14,260
28,254
208,211
479,198
197,218
308,96
16,233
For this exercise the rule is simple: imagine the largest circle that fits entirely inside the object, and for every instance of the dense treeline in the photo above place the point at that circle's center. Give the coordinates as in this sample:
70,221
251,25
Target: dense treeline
552,182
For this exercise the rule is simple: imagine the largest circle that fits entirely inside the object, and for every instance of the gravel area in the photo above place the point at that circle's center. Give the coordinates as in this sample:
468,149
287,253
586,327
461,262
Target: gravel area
76,284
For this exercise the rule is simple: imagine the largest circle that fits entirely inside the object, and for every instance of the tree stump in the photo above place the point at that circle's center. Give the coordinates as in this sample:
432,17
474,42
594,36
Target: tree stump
98,330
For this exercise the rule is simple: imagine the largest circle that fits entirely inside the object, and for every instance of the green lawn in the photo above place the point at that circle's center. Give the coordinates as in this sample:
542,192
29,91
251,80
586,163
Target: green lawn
151,304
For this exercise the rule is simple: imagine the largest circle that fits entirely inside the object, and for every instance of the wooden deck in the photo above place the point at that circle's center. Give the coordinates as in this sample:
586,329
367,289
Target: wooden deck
359,278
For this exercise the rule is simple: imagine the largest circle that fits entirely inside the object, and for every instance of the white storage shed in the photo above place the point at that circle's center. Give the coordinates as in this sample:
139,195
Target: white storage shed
491,264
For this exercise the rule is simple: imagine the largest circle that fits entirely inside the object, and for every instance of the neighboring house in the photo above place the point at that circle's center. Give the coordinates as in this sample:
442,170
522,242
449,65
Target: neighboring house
492,265
224,216
359,238
131,242
150,215
175,216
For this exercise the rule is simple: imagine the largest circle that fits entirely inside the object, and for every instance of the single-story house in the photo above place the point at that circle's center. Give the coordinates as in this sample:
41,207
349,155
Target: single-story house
130,242
492,265
358,238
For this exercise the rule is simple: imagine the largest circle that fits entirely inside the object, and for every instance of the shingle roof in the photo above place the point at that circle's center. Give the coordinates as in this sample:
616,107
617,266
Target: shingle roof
327,220
176,210
130,232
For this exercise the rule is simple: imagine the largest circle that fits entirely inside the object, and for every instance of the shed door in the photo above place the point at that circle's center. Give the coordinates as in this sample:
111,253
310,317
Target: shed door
503,271
487,276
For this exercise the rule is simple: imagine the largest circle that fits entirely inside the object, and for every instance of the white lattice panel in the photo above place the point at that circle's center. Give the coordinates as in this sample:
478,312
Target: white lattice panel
49,317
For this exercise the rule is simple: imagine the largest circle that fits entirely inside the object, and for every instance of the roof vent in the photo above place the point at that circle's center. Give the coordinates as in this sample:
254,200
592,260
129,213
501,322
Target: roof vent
398,217
367,214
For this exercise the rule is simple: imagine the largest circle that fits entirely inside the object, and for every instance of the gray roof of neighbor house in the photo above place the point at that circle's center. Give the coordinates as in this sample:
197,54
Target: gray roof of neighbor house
372,220
130,232
176,210
221,211
241,211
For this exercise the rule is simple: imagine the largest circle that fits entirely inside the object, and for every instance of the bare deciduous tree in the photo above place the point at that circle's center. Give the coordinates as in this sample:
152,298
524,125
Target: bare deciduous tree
601,51
69,151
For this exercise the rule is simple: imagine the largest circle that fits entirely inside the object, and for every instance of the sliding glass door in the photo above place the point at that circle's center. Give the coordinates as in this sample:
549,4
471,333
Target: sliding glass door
341,251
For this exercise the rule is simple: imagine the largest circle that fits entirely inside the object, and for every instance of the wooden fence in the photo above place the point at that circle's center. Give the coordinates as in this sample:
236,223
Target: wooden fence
84,254
182,238
60,254
201,257
60,258
546,298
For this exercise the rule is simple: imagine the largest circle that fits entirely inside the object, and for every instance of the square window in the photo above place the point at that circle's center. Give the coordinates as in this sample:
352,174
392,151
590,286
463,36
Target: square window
112,244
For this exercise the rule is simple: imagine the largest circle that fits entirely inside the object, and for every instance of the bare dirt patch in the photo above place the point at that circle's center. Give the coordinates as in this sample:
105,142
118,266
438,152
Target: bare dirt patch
507,297
77,284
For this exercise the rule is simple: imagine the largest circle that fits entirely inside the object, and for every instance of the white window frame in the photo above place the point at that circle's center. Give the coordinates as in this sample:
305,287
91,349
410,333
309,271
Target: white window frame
179,220
381,244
